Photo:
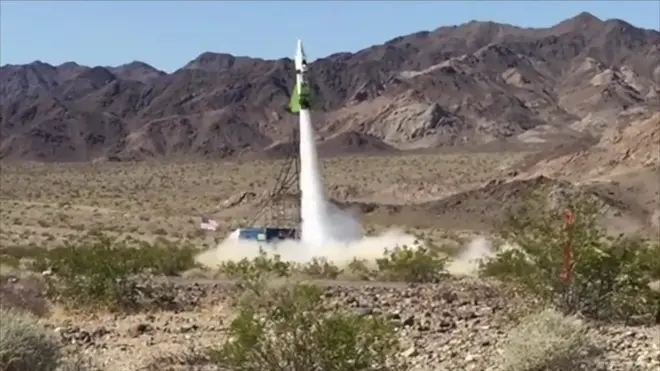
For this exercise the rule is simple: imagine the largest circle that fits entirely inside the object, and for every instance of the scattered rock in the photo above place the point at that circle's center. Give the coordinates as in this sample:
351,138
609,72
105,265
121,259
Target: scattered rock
457,324
139,329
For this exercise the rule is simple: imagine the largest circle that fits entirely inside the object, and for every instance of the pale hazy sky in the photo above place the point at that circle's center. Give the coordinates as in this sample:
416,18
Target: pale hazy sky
167,34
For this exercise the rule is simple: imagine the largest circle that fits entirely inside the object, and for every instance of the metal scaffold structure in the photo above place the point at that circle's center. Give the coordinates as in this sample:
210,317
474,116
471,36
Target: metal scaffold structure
280,208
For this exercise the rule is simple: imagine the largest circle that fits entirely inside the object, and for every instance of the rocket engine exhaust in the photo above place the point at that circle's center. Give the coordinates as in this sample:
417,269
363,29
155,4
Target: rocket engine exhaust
312,204
318,226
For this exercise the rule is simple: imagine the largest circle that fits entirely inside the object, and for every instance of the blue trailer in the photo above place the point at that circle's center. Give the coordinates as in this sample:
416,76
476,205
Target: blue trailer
268,235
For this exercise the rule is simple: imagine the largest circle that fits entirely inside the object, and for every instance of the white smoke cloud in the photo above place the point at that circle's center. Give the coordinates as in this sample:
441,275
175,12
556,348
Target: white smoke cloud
337,252
340,254
467,262
343,226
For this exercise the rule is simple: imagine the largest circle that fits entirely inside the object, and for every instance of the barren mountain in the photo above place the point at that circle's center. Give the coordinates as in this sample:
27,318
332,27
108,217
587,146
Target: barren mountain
474,83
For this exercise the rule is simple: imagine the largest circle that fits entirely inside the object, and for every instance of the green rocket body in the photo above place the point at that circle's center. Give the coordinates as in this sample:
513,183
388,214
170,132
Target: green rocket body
300,99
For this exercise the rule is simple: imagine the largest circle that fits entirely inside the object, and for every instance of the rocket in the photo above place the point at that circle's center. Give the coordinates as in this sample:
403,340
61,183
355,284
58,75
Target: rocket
300,97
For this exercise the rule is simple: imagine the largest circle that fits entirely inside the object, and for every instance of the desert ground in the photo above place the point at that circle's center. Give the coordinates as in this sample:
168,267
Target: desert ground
459,323
46,204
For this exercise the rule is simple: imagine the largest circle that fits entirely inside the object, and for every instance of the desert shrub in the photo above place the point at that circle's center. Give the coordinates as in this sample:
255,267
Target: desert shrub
11,256
104,273
360,270
165,257
78,361
25,344
650,258
319,268
419,264
400,264
162,257
610,277
19,252
9,261
254,269
293,331
548,341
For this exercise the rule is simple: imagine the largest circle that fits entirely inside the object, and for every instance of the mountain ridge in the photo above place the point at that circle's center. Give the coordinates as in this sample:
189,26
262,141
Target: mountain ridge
473,83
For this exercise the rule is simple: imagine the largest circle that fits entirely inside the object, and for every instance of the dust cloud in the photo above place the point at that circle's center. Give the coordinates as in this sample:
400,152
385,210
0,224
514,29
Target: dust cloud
467,261
339,253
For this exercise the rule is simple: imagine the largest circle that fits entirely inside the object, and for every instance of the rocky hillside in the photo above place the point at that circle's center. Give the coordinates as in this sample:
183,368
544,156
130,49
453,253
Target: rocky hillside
469,84
621,149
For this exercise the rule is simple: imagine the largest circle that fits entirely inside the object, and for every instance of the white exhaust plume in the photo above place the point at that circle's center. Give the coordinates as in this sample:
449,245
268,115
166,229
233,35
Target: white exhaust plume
322,223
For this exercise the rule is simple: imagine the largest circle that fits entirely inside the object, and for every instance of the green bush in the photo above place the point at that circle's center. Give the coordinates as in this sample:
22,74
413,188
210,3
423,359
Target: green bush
9,261
11,256
102,273
404,263
650,258
360,270
319,268
20,252
25,344
610,277
162,257
291,330
251,270
419,264
273,267
548,341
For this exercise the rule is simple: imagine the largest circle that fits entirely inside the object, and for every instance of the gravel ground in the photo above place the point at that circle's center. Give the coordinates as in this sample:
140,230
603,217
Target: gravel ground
458,324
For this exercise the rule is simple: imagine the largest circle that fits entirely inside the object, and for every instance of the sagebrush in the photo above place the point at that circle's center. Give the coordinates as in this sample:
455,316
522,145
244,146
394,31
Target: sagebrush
106,273
25,344
549,341
411,264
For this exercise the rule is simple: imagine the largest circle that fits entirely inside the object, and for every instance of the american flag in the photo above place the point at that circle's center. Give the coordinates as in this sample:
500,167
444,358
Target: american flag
208,224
